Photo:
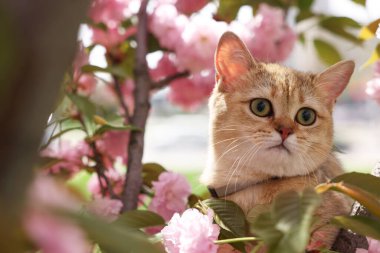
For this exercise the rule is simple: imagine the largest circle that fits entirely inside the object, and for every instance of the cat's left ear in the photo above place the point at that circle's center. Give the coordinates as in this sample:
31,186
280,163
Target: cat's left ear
232,60
335,79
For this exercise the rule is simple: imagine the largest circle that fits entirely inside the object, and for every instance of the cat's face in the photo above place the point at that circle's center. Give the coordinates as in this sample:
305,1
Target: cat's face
269,118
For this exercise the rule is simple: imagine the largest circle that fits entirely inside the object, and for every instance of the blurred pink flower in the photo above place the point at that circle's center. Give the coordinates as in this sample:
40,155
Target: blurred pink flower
373,246
192,232
115,178
111,37
200,39
272,38
106,208
109,12
190,93
373,89
165,67
52,233
376,69
113,144
69,153
86,84
81,59
188,7
167,25
171,193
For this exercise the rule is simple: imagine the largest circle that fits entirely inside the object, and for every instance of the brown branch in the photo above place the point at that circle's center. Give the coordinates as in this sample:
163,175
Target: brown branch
133,181
167,80
120,97
99,168
347,241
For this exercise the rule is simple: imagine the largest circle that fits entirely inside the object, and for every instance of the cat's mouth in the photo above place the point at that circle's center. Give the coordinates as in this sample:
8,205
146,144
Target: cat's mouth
280,147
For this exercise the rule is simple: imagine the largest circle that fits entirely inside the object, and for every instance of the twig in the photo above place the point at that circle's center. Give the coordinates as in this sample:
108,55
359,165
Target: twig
133,181
166,81
119,94
101,175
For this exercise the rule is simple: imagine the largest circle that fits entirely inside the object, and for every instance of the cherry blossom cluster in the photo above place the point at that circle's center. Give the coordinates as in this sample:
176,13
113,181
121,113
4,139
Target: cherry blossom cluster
188,40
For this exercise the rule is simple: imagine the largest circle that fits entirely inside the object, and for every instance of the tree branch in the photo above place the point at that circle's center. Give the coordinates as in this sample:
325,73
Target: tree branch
119,94
99,168
133,181
166,81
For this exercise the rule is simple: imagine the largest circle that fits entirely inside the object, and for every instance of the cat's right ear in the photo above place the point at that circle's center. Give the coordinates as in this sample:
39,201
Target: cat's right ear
232,59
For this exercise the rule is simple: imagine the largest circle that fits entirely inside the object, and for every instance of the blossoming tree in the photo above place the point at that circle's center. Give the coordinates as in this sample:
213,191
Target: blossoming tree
109,106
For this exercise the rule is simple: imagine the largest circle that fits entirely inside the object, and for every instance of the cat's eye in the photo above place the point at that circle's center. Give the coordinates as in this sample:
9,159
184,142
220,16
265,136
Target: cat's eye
261,107
306,116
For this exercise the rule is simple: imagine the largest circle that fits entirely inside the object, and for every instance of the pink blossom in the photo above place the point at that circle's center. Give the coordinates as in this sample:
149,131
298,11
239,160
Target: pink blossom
192,232
373,89
69,153
81,59
190,93
167,25
113,144
200,39
115,178
86,84
109,12
108,209
171,193
111,37
373,247
165,67
272,38
51,233
188,7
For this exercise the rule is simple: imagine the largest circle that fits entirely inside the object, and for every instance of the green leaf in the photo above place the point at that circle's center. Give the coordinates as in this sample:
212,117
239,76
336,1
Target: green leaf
285,228
228,215
371,202
304,4
151,172
360,224
117,70
60,134
87,109
369,31
361,2
110,127
113,238
364,181
375,56
326,52
339,26
227,10
140,219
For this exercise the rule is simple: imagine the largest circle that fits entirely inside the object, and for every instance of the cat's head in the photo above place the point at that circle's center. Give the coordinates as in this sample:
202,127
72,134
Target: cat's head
270,118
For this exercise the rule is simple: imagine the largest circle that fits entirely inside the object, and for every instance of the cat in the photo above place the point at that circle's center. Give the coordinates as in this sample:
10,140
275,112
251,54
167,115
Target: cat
271,131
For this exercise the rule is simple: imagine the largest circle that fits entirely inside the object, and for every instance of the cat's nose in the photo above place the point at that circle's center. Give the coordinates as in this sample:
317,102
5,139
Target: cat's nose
284,132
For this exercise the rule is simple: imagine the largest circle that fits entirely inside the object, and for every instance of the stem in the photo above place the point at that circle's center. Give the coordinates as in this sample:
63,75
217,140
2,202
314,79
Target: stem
119,94
166,81
240,239
100,172
133,181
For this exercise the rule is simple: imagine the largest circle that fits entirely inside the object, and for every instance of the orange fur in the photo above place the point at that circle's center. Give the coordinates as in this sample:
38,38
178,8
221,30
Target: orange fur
242,144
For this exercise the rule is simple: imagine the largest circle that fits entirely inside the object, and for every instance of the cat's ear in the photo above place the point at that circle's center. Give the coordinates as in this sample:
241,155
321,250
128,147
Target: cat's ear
334,80
232,59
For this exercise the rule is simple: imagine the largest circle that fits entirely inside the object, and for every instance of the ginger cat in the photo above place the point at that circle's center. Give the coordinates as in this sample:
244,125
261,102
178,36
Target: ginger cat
271,131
